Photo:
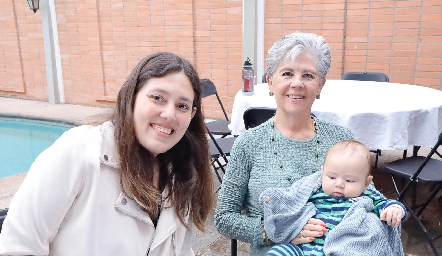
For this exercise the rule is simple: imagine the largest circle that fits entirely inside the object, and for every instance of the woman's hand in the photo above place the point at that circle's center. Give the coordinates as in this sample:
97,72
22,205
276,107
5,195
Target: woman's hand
314,228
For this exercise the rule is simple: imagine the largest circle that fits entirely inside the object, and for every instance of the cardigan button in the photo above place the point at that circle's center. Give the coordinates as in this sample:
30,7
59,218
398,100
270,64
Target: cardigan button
123,201
106,157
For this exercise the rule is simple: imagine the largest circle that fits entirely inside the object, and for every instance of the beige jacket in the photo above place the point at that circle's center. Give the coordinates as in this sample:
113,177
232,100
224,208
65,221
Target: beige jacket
70,203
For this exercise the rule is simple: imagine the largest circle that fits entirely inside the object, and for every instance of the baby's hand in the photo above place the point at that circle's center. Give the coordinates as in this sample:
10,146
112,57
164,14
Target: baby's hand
392,215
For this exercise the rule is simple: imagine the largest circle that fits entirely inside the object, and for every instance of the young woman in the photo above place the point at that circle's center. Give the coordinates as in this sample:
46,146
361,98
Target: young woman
134,185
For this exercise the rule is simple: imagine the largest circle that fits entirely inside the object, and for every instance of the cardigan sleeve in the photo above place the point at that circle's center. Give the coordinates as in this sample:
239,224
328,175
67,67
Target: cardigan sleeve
228,218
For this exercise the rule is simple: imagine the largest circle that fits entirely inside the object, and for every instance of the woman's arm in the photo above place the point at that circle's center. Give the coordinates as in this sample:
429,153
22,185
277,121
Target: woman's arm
44,198
228,218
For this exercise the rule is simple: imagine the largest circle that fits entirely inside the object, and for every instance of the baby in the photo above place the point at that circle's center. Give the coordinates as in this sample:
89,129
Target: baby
339,202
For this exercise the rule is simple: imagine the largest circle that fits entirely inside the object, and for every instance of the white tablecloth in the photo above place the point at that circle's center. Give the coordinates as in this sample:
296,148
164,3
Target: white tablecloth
386,116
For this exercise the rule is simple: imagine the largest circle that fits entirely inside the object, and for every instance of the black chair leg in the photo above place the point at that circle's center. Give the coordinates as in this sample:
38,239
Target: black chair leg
415,150
378,153
427,202
233,248
413,195
215,169
430,239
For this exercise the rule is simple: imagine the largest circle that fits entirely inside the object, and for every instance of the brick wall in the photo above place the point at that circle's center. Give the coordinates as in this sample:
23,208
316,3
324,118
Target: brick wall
101,41
22,63
401,38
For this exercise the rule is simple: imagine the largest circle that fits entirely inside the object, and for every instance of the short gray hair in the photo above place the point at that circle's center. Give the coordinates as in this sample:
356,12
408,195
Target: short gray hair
291,45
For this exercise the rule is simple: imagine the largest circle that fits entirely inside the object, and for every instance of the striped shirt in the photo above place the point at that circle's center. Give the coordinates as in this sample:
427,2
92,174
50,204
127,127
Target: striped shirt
332,209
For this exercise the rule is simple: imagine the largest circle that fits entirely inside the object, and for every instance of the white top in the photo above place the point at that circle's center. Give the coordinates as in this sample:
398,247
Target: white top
71,204
386,116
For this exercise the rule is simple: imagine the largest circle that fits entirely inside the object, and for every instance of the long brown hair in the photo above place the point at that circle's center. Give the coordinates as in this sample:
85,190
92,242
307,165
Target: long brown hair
185,168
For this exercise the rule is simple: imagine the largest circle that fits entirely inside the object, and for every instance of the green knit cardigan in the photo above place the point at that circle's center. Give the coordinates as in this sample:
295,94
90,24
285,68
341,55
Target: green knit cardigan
253,167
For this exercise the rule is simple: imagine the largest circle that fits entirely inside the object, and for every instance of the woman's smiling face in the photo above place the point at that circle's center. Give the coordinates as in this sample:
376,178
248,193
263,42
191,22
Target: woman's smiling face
295,84
163,110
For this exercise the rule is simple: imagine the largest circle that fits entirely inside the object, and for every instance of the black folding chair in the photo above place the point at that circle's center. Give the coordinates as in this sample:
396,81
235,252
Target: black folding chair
264,78
217,127
3,213
255,116
368,76
418,169
219,151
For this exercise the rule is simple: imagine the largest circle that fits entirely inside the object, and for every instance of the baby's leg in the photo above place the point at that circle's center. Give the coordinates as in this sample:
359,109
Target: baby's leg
285,250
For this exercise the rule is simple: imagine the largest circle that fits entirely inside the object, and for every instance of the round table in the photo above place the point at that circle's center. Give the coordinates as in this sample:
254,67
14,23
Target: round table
385,116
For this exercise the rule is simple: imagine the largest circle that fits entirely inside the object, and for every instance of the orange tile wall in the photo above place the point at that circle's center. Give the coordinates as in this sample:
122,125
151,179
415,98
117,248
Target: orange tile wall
101,41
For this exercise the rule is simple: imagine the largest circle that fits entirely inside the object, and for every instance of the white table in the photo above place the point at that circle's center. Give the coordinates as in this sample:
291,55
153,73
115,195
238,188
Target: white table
386,116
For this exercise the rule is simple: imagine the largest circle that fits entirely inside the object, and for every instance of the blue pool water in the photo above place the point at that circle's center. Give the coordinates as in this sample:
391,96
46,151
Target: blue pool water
22,140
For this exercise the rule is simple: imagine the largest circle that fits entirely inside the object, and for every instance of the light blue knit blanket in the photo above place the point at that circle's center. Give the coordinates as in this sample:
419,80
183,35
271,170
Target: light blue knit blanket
287,210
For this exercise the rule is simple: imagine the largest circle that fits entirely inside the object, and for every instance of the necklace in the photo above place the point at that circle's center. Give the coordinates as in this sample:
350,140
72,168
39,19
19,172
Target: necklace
275,153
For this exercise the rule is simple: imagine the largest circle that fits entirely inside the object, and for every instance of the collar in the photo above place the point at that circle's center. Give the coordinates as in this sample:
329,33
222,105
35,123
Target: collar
108,153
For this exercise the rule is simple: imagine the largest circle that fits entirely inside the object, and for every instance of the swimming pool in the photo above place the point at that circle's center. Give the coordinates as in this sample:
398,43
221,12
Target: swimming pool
22,140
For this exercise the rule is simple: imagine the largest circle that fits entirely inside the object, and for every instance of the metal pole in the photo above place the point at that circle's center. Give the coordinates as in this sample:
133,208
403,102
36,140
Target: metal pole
52,52
249,32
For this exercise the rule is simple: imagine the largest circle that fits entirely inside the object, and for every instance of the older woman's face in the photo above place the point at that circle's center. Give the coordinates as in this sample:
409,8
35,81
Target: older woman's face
296,84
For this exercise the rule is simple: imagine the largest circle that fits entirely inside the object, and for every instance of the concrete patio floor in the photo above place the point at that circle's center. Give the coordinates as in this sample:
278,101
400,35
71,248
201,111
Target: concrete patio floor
209,242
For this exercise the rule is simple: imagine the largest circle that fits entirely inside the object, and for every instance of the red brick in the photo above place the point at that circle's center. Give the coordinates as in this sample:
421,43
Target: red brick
396,37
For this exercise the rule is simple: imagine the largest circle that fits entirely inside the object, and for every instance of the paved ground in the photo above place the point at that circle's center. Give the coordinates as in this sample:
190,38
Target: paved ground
209,242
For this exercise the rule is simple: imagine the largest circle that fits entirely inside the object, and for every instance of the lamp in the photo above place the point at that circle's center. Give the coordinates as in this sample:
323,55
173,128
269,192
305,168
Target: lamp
33,4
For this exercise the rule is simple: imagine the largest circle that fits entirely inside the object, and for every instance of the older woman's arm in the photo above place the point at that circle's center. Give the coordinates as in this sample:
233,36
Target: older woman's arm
228,218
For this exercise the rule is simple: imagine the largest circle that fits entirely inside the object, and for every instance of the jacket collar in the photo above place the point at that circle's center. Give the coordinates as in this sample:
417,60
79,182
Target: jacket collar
108,153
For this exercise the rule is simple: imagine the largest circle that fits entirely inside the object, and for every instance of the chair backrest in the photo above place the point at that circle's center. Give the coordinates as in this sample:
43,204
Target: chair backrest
255,116
207,89
366,76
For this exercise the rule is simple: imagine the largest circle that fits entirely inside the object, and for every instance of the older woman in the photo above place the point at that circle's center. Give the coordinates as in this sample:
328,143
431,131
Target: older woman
289,146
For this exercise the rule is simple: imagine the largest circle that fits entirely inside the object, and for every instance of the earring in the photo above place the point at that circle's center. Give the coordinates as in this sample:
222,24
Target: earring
318,96
271,94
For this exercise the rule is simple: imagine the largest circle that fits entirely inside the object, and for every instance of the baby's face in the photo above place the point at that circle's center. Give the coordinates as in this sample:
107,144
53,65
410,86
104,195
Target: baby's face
345,176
